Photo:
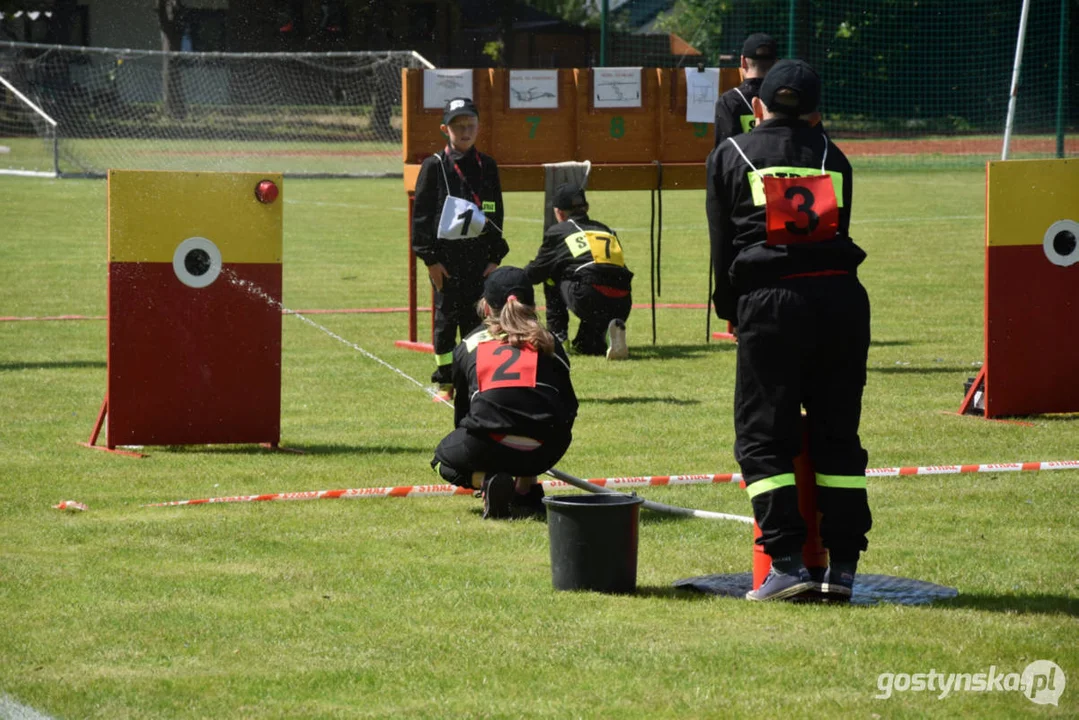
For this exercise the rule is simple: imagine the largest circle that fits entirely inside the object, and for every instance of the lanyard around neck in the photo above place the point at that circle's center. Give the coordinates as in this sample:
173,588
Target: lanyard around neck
464,180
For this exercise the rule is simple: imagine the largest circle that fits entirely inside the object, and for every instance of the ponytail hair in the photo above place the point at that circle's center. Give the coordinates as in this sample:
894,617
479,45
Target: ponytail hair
519,323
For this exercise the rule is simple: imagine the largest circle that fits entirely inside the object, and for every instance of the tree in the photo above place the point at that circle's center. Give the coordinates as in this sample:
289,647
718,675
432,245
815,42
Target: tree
698,22
577,12
170,17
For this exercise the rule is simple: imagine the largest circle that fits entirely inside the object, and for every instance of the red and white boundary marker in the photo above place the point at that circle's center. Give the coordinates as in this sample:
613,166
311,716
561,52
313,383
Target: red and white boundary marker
332,311
613,482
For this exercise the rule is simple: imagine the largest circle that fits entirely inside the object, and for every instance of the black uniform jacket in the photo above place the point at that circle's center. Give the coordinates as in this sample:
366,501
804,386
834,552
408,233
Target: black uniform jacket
736,220
555,261
462,258
733,115
514,406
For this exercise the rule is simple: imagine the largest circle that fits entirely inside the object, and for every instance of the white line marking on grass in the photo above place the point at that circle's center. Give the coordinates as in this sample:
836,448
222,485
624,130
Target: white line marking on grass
12,710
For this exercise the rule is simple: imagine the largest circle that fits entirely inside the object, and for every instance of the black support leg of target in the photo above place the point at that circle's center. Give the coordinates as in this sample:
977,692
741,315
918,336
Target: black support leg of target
652,261
659,229
708,301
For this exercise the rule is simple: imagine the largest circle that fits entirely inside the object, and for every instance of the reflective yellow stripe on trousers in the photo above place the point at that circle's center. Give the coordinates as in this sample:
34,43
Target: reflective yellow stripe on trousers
768,484
846,482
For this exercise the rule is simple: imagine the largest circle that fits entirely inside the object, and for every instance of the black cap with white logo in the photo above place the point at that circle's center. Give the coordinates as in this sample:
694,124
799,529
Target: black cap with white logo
457,107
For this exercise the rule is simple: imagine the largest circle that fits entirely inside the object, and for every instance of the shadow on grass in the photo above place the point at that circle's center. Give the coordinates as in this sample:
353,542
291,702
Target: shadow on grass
67,365
889,343
1024,604
655,517
638,400
669,592
907,370
1053,418
286,447
664,352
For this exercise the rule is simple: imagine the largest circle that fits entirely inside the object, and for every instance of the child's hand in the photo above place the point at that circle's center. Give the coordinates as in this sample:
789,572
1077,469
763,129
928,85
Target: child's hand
438,275
491,267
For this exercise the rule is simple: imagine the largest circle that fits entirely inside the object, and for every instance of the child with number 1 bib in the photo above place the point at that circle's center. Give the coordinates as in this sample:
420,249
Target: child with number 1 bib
457,231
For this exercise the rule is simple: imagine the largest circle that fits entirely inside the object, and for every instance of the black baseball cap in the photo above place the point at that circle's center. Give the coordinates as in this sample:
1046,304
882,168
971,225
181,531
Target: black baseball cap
568,196
798,77
458,106
759,46
506,281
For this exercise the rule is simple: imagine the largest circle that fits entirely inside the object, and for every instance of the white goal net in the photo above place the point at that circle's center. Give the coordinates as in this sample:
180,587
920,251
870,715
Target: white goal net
81,111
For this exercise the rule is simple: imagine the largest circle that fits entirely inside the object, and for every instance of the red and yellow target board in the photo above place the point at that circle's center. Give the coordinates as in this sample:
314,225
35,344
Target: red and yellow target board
194,308
1032,287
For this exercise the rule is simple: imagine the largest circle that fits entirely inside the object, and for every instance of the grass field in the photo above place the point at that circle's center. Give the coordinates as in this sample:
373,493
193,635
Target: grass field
417,607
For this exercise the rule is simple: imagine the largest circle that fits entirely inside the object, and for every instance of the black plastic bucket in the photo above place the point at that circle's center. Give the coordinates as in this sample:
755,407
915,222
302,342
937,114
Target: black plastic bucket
594,541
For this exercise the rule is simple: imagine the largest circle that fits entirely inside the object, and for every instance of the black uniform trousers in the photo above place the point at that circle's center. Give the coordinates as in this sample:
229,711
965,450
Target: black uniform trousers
464,452
804,342
455,312
595,311
557,312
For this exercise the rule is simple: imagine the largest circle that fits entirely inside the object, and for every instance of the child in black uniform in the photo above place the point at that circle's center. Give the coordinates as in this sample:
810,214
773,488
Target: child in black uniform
514,404
457,230
734,109
779,205
584,260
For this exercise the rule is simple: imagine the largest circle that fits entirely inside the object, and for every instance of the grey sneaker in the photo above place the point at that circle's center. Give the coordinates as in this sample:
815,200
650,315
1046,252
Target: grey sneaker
782,586
616,340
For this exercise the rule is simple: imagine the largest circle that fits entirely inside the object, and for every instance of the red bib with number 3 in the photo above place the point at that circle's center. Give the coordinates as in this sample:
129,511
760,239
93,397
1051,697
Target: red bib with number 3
800,209
501,366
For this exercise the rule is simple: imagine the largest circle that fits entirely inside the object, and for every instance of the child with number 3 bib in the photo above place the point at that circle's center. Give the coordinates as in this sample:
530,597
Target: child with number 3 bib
457,231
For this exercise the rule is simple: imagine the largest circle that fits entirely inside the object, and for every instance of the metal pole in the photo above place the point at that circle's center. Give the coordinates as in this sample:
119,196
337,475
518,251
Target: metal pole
605,7
648,504
1015,78
1061,70
791,6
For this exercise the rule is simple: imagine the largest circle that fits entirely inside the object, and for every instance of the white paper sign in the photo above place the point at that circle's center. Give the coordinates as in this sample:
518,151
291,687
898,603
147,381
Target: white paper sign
616,87
702,91
533,89
440,85
461,219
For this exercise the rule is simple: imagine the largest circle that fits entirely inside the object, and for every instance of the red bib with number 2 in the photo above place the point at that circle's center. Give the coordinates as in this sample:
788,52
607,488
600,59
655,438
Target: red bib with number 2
800,209
501,366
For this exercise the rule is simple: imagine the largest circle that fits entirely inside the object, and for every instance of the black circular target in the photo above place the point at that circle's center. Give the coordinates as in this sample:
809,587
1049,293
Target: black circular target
1064,242
1059,243
197,262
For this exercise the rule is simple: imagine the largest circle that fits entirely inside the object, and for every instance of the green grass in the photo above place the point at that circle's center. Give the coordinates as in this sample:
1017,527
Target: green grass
418,608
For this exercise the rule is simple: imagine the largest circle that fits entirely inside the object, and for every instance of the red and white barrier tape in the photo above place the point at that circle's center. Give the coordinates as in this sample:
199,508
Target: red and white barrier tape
614,482
987,468
333,311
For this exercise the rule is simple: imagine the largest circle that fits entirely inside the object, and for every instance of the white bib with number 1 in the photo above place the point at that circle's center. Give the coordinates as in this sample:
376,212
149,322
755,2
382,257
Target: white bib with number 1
461,219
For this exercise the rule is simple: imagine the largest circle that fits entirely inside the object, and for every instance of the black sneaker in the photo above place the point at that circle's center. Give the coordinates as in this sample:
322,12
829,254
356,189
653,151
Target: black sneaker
838,585
498,492
529,504
783,586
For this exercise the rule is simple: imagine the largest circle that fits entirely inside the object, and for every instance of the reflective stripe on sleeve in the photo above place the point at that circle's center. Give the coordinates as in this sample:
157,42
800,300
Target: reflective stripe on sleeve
444,358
